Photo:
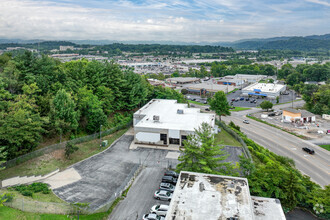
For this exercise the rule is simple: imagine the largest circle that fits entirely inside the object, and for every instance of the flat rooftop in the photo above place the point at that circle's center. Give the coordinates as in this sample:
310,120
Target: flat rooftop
209,86
267,208
205,196
183,79
169,118
212,197
264,87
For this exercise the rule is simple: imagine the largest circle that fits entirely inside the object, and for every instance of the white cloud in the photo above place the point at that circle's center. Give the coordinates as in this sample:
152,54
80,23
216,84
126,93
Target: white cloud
213,20
325,3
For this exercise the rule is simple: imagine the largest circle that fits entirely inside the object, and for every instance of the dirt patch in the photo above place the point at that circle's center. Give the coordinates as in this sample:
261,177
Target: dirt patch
58,154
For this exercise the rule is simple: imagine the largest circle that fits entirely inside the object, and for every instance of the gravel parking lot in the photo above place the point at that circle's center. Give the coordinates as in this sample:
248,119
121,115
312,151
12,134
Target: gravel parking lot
140,198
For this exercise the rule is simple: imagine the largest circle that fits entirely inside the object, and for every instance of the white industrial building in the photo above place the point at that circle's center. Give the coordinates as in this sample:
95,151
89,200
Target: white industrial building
270,90
211,197
166,122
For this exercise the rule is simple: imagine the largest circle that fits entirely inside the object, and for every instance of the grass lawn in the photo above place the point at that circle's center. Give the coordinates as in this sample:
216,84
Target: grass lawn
237,109
49,162
10,213
327,147
225,138
194,102
50,197
232,91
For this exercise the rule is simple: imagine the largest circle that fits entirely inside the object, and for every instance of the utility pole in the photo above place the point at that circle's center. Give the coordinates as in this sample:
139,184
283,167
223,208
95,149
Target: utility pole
100,137
292,98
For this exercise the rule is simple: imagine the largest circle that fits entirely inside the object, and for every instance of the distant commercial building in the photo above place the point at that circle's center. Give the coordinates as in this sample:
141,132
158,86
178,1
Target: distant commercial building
156,82
240,79
199,196
64,48
166,122
293,115
269,90
208,88
183,80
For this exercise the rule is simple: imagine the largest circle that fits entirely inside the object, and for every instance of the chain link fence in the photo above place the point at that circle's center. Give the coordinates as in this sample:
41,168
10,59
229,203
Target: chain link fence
51,148
41,207
237,137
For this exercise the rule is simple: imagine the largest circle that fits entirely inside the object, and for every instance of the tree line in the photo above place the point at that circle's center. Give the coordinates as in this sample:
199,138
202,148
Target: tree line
317,97
42,97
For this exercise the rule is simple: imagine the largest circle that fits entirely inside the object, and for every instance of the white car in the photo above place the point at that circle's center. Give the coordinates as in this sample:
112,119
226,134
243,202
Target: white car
159,209
163,195
152,217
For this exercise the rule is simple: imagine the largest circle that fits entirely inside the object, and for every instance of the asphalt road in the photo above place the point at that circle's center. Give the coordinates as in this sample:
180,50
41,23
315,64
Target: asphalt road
140,198
282,143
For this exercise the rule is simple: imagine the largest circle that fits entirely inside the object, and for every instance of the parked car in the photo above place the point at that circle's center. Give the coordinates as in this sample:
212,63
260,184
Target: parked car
246,122
247,99
252,100
167,187
328,132
160,210
237,99
207,109
163,195
171,173
241,99
169,179
308,150
232,100
152,217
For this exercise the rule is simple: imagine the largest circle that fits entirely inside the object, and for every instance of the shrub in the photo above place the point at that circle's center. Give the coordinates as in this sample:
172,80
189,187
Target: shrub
28,190
8,197
70,149
26,193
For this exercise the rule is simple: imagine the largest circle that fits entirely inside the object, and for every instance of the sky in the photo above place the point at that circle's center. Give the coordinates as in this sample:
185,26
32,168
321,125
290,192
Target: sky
156,20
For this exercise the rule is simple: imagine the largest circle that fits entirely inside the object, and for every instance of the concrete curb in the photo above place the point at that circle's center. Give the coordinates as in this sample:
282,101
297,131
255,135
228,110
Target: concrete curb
17,180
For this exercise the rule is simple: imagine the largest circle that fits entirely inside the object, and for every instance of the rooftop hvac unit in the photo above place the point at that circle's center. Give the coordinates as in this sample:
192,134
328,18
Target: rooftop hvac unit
156,117
180,111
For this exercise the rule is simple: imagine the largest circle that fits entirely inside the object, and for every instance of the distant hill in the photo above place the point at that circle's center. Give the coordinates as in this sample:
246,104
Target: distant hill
314,42
308,43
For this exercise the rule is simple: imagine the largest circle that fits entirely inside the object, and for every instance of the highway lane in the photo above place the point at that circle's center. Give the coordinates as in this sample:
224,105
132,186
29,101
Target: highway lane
316,166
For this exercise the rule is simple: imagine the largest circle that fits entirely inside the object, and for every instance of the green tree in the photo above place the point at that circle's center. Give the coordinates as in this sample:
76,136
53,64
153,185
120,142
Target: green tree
91,108
70,149
266,105
201,154
63,113
21,126
219,104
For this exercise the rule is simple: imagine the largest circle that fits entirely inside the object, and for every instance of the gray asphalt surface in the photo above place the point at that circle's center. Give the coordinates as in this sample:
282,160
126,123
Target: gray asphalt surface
139,198
316,166
104,174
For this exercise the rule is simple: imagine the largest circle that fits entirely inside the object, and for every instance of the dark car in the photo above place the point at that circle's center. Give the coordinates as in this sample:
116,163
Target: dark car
171,173
252,100
308,150
241,98
169,179
247,99
232,100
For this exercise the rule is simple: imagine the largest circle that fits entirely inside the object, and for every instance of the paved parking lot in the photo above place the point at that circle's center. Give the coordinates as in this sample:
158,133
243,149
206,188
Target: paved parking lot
139,198
104,174
238,94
